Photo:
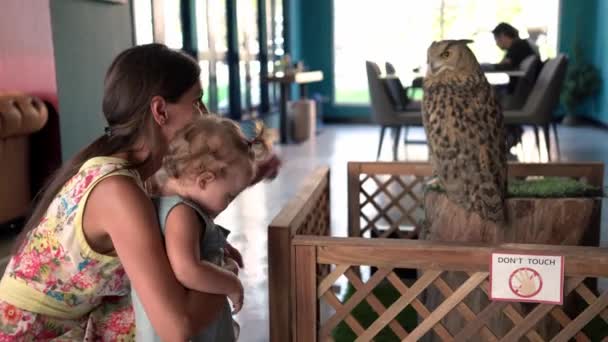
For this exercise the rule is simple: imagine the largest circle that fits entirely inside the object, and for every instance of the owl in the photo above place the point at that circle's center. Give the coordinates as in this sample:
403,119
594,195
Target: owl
465,132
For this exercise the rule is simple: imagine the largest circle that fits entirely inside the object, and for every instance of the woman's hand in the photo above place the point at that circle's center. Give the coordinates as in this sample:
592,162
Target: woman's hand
267,168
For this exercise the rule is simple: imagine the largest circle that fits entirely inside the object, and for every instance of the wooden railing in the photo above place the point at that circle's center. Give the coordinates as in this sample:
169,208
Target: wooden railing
375,192
306,214
433,260
386,198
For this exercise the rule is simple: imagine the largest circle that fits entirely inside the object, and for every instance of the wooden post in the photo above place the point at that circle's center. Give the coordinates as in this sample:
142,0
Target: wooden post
305,294
307,213
354,218
279,259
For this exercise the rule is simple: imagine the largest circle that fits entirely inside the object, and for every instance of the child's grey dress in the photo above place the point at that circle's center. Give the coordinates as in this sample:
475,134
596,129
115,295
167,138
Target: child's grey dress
212,249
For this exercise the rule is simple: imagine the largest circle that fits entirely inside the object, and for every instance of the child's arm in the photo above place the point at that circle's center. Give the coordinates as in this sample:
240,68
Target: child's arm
176,313
182,237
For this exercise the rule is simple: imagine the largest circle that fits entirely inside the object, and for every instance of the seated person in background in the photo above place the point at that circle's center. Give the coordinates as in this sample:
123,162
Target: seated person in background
507,38
517,49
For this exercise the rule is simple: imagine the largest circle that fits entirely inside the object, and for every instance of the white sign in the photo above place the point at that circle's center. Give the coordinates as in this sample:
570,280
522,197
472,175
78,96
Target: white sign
527,278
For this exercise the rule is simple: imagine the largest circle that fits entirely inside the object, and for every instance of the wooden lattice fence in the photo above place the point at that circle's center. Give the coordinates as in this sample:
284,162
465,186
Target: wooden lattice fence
432,259
387,199
384,199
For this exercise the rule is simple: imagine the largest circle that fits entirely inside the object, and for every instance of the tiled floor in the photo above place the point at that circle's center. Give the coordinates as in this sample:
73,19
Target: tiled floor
250,214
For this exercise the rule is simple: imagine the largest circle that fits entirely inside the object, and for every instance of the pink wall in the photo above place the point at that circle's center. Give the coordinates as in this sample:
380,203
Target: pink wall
27,61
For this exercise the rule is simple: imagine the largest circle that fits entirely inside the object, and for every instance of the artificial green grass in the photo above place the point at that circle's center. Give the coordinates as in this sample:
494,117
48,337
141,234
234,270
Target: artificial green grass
548,187
364,313
551,187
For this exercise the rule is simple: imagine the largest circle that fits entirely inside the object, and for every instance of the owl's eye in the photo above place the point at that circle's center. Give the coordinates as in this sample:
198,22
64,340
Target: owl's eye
445,54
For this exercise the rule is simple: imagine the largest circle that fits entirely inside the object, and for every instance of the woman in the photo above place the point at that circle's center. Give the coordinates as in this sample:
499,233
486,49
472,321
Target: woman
94,228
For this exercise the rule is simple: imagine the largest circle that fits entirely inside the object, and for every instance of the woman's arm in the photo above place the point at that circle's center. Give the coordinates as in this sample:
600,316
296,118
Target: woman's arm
120,209
182,239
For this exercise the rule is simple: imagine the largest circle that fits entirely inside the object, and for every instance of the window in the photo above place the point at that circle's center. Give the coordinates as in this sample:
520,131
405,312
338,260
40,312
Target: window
399,32
171,34
142,22
161,21
276,41
157,21
212,46
249,53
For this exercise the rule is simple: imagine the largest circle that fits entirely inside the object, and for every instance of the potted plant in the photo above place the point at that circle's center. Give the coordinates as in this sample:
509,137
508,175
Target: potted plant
582,81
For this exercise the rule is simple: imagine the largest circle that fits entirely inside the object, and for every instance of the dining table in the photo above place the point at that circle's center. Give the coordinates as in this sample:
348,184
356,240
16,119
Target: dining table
285,80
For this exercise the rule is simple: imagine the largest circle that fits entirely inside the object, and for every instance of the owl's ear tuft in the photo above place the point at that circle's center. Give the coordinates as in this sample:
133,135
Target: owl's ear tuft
465,41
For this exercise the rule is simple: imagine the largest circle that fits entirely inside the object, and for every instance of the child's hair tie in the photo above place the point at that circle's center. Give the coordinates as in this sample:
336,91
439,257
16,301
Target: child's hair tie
254,141
108,131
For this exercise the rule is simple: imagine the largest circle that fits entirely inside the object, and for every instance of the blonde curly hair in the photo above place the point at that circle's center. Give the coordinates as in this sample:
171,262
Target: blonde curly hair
210,143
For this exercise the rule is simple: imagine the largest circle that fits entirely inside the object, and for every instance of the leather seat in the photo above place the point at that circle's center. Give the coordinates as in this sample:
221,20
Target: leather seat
20,116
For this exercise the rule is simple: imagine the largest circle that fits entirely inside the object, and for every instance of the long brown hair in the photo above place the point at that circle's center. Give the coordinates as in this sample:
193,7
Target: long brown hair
134,77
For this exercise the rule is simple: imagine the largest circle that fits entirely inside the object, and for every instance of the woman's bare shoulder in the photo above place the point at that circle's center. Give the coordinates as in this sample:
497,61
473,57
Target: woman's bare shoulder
118,201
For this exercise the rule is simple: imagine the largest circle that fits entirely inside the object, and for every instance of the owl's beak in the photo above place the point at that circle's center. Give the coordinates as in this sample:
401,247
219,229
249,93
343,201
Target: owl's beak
434,67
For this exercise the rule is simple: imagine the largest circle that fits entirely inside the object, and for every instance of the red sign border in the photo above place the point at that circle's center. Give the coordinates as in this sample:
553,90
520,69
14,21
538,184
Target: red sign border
540,287
523,300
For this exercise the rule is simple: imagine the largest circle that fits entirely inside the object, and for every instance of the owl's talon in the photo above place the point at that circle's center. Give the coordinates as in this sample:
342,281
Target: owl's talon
432,182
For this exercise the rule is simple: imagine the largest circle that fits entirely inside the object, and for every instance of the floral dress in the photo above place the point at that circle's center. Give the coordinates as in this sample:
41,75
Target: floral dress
56,287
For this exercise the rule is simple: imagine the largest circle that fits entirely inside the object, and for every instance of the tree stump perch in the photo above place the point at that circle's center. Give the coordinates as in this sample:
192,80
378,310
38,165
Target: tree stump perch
552,221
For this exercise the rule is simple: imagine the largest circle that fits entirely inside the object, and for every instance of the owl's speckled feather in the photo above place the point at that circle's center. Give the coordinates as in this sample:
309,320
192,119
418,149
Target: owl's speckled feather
464,125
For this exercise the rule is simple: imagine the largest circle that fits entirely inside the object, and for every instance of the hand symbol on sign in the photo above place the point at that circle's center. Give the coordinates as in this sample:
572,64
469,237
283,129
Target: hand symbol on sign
525,282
